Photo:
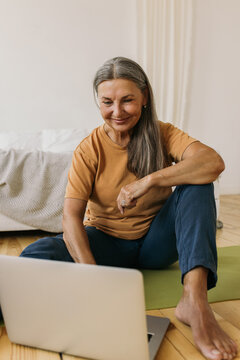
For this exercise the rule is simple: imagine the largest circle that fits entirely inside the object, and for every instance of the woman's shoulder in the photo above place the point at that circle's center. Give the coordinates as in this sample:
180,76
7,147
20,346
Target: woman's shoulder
175,140
166,126
168,130
91,142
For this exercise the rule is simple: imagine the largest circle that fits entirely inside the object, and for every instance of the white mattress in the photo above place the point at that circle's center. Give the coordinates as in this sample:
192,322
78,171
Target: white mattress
60,140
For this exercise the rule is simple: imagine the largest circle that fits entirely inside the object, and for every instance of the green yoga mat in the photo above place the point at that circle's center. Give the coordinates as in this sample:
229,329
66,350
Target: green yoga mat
163,288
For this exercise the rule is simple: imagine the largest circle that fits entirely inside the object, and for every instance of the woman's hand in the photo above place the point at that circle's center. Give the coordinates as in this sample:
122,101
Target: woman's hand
129,194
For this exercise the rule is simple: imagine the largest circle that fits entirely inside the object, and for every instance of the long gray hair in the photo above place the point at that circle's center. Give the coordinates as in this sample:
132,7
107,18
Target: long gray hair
145,152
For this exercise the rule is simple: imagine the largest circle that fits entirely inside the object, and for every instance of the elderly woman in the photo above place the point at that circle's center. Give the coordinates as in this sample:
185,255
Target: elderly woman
119,208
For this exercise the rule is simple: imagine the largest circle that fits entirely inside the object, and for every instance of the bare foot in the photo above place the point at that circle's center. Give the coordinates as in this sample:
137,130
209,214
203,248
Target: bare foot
211,340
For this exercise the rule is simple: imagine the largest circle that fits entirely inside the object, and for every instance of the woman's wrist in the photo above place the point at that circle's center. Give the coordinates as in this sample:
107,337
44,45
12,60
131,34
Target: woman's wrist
155,179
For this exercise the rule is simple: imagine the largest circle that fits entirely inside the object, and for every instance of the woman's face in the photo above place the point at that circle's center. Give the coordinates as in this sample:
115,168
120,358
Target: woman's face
121,103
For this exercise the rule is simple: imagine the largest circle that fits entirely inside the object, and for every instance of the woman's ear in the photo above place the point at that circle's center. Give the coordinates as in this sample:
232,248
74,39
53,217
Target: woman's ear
145,97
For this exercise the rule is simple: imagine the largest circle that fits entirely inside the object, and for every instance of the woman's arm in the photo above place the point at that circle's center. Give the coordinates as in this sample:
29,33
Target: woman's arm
74,234
200,164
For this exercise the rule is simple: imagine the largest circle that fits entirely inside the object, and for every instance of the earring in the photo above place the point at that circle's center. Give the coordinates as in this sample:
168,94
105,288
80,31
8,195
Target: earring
145,106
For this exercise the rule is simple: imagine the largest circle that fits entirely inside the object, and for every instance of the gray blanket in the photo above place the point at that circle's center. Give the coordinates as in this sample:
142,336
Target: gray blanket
32,187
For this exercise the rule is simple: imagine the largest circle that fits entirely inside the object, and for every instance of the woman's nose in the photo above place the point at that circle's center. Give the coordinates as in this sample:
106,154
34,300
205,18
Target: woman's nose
117,111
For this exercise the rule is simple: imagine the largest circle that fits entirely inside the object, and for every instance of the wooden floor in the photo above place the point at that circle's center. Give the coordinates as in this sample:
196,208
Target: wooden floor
178,343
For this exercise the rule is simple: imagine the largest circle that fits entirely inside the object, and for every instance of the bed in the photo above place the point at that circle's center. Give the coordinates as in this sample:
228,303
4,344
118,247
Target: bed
33,176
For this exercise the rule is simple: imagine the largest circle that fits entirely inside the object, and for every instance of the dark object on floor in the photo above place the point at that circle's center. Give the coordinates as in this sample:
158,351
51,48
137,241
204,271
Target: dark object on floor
219,224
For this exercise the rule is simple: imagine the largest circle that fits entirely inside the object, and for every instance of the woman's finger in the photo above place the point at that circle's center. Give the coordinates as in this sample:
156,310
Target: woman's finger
122,204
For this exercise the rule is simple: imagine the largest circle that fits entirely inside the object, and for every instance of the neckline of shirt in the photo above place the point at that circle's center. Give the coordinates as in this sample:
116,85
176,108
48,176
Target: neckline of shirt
109,140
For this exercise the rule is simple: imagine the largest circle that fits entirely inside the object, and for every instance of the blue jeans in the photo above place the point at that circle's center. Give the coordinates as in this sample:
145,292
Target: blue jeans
184,229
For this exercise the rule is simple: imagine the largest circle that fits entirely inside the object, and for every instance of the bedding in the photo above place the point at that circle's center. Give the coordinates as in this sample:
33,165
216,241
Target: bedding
54,140
33,176
8,224
32,186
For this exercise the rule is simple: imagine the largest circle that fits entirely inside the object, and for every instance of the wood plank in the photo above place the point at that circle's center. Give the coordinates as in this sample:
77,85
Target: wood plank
231,235
14,247
230,210
69,357
227,240
3,246
232,221
230,200
13,243
228,310
11,246
5,346
222,242
10,351
168,351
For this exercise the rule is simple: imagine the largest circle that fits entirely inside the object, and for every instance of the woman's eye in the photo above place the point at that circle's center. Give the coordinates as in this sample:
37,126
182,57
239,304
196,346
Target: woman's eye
127,100
107,102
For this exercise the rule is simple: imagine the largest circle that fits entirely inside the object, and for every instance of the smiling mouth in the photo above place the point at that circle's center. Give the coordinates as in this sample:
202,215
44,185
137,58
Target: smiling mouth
120,120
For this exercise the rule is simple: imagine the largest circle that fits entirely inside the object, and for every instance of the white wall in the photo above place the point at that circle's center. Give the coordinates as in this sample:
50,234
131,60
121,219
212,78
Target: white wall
214,101
49,53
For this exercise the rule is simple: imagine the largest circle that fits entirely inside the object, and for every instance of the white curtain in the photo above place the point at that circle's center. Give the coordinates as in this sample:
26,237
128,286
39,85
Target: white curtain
164,51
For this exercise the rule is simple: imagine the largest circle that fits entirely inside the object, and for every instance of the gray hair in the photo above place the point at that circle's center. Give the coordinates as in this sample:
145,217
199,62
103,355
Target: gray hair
145,153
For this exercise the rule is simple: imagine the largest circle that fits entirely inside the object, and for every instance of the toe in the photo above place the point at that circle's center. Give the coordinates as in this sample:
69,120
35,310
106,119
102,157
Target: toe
226,346
214,354
234,347
227,356
211,353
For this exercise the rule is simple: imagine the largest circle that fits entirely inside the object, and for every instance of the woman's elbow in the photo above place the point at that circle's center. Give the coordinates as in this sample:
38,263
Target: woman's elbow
64,221
219,165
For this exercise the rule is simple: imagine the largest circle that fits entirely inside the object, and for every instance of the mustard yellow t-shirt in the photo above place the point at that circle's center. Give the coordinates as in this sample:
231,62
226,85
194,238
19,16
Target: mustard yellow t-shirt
99,171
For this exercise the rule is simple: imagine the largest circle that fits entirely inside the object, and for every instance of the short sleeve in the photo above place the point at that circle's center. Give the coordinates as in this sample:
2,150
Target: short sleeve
175,140
81,175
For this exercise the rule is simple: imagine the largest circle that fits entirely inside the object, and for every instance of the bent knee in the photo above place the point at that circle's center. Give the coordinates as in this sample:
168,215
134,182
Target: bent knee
45,248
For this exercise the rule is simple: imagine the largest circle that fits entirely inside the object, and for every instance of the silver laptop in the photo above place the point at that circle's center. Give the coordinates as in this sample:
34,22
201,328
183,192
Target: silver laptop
91,311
